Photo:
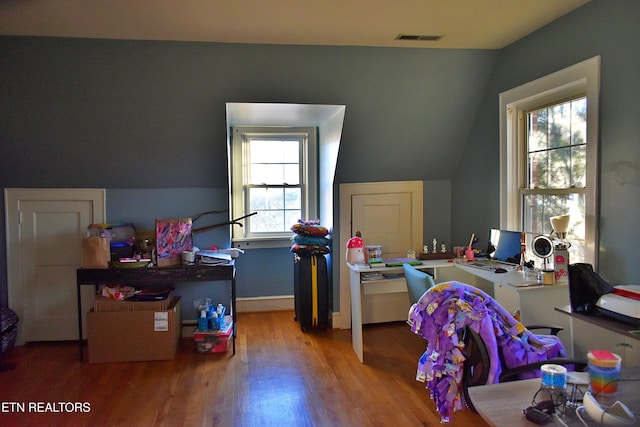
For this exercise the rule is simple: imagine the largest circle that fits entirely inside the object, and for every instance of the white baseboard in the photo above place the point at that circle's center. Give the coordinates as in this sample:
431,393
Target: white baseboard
335,320
258,304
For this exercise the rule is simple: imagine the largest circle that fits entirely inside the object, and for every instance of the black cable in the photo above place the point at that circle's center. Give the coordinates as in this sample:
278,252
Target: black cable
558,401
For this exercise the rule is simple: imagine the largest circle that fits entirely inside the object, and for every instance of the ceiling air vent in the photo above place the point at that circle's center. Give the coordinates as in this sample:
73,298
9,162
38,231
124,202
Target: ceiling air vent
428,38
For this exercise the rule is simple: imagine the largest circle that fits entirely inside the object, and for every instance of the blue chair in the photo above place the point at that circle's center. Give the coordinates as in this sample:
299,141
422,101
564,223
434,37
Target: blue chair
418,282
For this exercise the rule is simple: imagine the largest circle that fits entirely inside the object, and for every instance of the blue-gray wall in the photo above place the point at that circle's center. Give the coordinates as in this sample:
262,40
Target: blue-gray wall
146,120
606,28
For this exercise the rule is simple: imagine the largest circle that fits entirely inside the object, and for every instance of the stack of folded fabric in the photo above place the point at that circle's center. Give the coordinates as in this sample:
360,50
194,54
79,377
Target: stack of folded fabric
310,238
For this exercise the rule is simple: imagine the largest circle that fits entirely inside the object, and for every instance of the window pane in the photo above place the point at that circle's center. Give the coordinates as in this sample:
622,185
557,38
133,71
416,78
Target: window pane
560,174
579,121
537,137
293,199
291,174
257,199
275,198
291,217
538,210
266,198
274,221
266,151
278,208
266,221
291,151
538,170
266,174
533,214
274,162
273,151
579,165
559,125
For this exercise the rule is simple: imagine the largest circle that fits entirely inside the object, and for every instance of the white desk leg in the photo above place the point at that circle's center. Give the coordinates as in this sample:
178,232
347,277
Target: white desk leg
356,314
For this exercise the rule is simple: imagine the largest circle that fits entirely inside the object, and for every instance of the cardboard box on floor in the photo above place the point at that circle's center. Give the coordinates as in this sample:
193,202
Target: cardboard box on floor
131,336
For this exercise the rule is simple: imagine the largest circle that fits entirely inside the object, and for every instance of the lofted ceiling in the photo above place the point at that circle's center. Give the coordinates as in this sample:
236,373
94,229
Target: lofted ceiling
464,24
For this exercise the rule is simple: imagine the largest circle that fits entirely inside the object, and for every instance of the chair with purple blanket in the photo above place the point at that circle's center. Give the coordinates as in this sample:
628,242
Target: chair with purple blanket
473,340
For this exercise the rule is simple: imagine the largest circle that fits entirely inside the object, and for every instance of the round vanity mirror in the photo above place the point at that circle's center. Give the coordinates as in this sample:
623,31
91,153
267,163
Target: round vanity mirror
542,246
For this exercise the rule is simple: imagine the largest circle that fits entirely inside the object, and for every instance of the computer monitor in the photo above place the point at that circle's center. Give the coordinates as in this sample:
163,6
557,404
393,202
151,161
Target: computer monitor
504,246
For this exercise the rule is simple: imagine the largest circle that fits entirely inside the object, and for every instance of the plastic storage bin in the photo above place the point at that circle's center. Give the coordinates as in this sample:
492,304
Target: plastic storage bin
214,341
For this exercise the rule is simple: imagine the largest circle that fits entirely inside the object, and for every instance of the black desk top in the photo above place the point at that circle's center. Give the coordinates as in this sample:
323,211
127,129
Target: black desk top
148,276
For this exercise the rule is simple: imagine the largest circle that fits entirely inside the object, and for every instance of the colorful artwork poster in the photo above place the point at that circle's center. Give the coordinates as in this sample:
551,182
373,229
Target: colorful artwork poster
173,236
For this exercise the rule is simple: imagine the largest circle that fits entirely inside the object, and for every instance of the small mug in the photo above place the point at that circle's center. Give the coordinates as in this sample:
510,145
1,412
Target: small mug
188,257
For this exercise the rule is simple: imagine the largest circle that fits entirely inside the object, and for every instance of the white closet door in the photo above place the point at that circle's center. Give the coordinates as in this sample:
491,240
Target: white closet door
45,229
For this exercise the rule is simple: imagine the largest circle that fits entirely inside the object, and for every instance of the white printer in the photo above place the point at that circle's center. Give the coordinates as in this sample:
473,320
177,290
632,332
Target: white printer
622,304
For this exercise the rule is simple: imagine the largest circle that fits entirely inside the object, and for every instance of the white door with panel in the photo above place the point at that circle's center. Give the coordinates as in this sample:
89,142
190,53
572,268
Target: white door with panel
384,220
44,233
388,214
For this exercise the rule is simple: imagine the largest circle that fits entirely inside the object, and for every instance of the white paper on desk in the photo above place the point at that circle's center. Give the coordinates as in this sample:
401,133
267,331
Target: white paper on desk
371,276
212,257
524,285
578,378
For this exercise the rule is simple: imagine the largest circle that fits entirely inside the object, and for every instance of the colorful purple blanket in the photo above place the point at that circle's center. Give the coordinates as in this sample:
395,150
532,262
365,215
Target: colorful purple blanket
439,317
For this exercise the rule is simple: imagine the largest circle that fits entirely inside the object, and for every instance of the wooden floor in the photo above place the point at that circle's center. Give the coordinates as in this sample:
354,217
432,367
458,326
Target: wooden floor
278,377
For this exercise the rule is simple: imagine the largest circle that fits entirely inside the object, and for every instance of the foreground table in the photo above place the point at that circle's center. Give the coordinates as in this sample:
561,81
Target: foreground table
502,404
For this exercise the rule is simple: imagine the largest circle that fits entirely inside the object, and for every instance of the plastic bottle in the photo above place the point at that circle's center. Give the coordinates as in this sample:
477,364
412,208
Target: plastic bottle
214,321
202,321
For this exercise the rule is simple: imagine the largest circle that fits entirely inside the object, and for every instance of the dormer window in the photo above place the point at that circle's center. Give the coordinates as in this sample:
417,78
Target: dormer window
274,174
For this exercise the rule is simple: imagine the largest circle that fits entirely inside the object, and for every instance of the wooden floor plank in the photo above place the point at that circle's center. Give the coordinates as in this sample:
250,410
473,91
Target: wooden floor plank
279,376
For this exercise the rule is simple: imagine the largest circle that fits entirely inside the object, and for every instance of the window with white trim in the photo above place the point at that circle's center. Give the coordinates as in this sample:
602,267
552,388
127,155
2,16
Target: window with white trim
549,156
555,167
274,177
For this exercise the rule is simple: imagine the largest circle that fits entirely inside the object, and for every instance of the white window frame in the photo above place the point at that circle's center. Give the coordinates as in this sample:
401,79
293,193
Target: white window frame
309,183
580,79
